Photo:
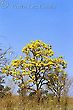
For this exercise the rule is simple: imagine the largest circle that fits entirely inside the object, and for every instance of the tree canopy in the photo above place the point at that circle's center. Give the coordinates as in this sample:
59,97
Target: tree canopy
39,66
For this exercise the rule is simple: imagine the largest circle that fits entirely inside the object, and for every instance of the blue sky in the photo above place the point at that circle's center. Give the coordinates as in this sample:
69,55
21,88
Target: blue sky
52,24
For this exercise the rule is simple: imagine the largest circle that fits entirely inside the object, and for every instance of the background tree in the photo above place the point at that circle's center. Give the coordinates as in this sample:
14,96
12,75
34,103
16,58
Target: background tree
3,62
57,78
38,68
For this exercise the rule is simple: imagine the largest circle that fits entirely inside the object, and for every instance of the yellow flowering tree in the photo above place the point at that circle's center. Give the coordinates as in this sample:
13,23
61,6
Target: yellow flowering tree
57,77
39,67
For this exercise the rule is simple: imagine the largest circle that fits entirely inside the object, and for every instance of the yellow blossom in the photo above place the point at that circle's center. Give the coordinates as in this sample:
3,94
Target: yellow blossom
3,70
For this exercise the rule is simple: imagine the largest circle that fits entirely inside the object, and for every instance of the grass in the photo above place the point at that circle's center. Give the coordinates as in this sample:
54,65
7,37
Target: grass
31,103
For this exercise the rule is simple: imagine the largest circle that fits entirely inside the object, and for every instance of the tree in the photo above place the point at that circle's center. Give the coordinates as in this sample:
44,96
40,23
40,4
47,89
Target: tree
39,67
3,62
57,80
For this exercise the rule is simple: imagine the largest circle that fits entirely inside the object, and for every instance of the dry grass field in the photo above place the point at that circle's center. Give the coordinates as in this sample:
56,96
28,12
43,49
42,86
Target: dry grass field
31,103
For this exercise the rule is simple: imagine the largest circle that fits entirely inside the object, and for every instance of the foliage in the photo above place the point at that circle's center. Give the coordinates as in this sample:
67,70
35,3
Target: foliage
39,67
